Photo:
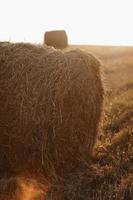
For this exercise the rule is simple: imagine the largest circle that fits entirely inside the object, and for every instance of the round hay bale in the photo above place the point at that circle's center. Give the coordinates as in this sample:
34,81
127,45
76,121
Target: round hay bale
50,107
8,188
57,39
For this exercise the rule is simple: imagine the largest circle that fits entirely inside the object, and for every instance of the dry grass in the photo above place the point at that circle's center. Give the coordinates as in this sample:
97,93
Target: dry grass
109,175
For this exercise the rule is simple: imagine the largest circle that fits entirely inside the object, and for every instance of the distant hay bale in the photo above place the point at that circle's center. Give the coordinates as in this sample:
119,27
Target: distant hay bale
57,39
50,107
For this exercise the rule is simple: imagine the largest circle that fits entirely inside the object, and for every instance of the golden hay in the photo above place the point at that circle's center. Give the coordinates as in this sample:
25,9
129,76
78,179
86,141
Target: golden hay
57,39
50,107
21,188
8,188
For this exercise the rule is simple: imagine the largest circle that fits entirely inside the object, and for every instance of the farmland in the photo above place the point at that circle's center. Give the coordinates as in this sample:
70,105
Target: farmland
108,173
111,174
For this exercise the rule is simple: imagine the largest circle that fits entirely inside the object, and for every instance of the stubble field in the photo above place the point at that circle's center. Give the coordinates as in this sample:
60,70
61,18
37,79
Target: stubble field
108,175
112,171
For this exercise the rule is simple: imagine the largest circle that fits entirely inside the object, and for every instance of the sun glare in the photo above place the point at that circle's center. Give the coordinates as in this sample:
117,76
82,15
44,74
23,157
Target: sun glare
106,22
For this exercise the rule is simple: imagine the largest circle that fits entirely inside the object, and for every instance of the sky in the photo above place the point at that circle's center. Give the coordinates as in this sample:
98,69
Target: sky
94,22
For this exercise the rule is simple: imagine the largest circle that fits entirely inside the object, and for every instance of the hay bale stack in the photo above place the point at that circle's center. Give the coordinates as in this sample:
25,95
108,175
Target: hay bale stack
50,107
57,39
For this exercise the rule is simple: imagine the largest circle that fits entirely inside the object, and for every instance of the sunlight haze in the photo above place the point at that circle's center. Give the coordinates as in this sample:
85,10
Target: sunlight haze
100,22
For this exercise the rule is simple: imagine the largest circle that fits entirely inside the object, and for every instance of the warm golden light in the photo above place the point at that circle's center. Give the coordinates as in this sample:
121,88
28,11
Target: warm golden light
30,190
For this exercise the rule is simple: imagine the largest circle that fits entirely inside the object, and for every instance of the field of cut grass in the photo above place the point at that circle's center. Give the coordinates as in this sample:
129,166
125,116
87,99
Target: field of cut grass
110,175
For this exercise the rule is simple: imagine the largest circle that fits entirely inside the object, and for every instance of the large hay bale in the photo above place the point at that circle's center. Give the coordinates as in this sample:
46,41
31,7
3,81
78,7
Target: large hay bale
57,39
50,107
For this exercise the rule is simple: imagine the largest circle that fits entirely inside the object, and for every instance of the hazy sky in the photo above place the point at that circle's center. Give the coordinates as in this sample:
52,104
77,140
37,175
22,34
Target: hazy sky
86,21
